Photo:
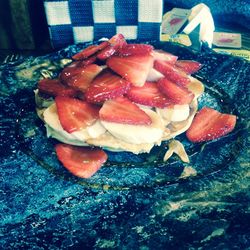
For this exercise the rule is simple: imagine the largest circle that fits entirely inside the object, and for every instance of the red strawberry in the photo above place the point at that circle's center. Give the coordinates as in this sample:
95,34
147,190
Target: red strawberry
122,110
106,86
107,52
149,95
89,51
164,56
210,124
133,68
71,70
75,114
172,72
135,49
53,87
177,93
84,77
80,161
116,42
118,39
88,60
188,66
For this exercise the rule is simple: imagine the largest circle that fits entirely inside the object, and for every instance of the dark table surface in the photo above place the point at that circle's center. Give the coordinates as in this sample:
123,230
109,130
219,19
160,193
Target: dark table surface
42,209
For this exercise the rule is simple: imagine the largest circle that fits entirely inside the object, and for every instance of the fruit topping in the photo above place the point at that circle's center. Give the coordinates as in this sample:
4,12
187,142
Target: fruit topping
71,70
177,93
80,161
89,51
53,87
135,49
107,85
188,66
164,56
83,76
149,95
122,110
133,68
75,114
115,43
89,60
209,124
172,72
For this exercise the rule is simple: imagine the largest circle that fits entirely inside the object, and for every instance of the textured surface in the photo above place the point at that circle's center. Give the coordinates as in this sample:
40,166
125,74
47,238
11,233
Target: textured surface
134,202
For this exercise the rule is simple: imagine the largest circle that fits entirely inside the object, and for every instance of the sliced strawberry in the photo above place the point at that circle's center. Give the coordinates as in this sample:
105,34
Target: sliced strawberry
89,51
89,60
106,86
53,87
188,66
84,77
164,56
172,72
177,93
71,70
75,114
148,95
107,52
118,39
133,68
80,161
116,42
135,49
210,124
122,110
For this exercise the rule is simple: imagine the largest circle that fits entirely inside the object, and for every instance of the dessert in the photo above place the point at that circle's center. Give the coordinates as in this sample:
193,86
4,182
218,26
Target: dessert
123,97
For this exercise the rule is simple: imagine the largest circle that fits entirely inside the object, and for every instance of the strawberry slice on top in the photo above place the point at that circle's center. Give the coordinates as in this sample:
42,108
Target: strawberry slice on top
71,70
209,124
135,49
54,87
164,56
122,110
115,43
107,85
82,162
84,77
172,72
90,50
176,93
149,95
188,66
75,114
134,68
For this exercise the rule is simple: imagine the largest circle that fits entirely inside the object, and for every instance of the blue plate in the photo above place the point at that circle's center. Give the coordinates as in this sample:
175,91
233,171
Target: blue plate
125,170
134,200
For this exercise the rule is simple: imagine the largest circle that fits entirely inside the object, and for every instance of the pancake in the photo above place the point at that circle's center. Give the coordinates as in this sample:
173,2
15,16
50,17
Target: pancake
110,142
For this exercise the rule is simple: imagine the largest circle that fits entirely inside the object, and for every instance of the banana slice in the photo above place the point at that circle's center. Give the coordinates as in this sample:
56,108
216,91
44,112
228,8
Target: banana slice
196,87
138,134
51,118
176,113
